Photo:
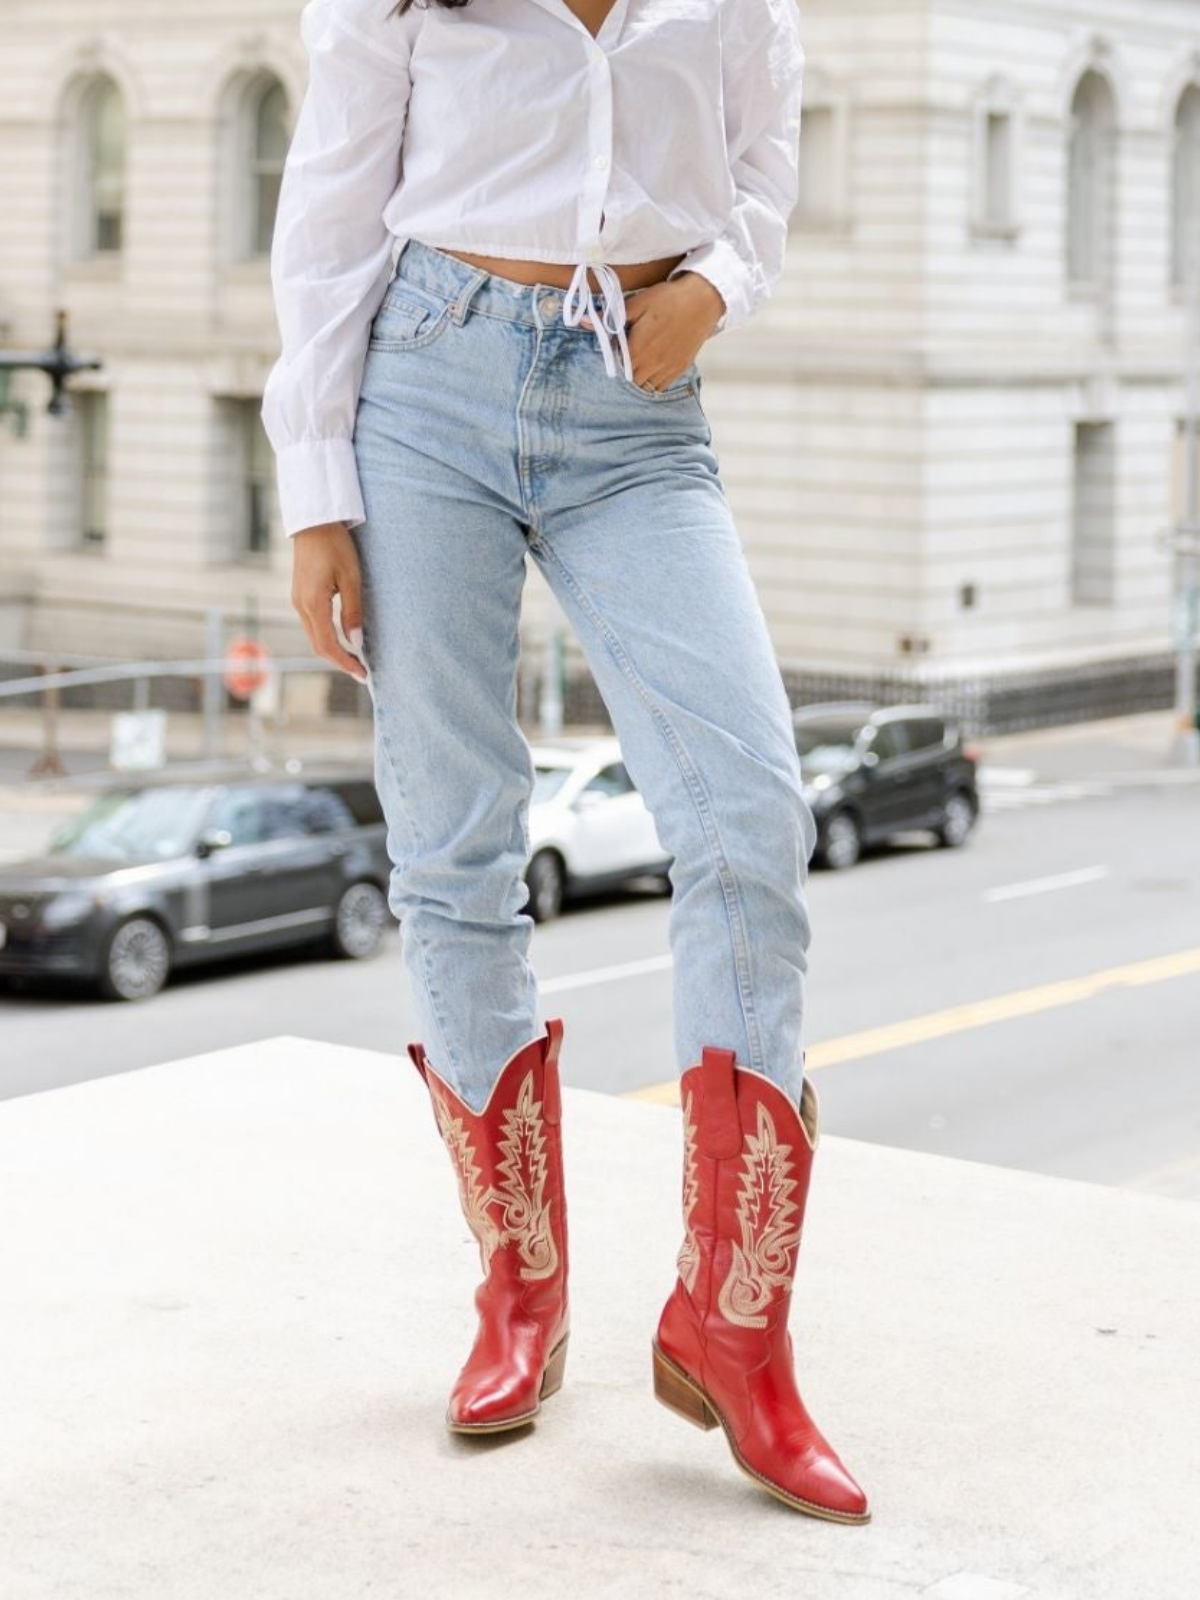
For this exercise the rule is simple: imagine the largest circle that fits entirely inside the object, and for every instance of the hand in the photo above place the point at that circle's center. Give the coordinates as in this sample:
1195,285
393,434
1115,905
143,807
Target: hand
668,322
324,563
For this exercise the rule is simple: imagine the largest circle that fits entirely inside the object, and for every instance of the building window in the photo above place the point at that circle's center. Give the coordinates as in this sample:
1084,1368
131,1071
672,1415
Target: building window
1185,208
247,467
818,200
269,152
823,174
996,156
1093,541
1185,469
998,169
254,138
1091,182
91,414
102,150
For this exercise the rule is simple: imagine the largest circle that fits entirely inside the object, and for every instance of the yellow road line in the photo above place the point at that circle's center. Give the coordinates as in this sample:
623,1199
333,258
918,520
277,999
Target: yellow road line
976,1014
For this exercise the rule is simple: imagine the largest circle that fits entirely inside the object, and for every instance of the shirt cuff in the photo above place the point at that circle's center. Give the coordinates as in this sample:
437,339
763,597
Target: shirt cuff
720,263
318,483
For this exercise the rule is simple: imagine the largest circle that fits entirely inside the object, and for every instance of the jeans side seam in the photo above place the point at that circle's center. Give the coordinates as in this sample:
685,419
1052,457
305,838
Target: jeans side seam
448,1065
730,891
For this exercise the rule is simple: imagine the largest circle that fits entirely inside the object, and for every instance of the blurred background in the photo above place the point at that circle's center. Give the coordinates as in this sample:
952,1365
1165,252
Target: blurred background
961,445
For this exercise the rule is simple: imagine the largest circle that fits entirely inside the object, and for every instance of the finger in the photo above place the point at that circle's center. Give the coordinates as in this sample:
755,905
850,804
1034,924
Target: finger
349,586
325,642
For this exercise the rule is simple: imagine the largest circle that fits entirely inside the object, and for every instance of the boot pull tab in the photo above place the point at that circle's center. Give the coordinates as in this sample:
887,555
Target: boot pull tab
720,1133
551,1093
419,1058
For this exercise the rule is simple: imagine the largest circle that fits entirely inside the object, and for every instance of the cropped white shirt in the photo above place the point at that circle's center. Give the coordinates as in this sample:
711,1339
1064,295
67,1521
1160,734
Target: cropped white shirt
504,128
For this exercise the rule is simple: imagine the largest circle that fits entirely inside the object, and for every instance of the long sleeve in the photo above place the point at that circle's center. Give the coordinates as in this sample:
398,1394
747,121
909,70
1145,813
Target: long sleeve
331,257
762,71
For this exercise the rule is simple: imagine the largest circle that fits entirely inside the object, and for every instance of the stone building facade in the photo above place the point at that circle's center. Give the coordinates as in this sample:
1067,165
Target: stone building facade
952,440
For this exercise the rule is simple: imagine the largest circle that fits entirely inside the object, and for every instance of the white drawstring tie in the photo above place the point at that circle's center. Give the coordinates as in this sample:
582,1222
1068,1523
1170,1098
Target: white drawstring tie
579,304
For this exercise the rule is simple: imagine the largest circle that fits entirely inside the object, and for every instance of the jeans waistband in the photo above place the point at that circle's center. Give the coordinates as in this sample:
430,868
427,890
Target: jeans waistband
536,304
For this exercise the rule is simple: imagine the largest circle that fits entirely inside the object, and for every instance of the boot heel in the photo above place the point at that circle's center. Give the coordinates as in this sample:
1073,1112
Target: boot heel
552,1379
675,1392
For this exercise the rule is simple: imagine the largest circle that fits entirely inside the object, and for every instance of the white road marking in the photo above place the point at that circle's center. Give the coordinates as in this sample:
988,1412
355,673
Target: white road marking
626,969
1060,880
1005,777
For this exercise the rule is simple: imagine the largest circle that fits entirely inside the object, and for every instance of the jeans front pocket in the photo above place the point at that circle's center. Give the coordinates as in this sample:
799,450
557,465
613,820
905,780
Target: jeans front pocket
685,387
409,318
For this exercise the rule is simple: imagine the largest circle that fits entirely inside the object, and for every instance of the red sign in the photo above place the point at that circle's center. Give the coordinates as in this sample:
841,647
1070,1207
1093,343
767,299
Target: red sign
247,667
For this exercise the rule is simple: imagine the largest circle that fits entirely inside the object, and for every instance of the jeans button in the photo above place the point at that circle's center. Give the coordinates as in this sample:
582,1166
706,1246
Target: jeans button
551,304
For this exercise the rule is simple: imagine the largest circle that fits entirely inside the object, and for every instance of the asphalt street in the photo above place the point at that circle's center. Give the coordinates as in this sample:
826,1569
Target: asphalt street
1032,1000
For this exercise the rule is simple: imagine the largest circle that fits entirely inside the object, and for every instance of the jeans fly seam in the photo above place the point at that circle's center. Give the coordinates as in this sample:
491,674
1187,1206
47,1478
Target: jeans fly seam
730,892
524,465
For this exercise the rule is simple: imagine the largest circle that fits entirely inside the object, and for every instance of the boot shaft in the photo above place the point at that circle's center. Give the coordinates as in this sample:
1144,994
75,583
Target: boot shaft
748,1158
508,1163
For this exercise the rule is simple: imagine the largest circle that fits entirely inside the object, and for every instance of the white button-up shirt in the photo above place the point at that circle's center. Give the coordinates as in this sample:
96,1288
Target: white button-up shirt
504,128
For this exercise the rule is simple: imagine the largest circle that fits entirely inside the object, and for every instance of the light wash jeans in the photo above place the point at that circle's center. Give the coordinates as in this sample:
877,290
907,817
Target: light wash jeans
487,431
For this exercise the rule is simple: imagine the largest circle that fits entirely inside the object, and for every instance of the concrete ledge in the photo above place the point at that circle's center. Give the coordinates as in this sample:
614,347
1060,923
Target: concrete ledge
234,1291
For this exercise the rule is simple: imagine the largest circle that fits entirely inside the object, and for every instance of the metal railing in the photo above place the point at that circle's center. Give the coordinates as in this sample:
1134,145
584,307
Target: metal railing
63,671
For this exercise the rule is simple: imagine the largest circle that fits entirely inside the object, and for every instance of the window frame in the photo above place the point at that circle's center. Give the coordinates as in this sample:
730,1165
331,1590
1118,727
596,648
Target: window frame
1098,223
997,101
1184,238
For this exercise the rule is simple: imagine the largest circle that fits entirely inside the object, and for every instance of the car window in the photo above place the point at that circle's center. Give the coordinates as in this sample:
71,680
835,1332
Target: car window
547,781
925,733
153,824
285,813
238,813
889,740
326,812
827,741
611,780
359,797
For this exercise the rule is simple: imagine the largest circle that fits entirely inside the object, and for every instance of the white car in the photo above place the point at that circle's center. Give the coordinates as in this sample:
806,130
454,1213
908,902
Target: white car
589,828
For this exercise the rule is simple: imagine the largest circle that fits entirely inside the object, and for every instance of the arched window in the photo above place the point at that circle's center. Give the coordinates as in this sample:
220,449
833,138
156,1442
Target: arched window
102,168
1185,207
262,145
1091,175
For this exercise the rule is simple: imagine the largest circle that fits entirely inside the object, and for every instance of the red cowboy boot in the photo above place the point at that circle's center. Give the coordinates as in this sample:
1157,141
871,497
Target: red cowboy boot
723,1353
508,1159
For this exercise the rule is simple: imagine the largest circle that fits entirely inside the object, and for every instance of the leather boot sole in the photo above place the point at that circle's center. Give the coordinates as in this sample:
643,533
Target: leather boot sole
680,1394
552,1382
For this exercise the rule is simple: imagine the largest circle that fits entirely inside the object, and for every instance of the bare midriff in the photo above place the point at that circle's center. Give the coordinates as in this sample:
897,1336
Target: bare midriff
638,276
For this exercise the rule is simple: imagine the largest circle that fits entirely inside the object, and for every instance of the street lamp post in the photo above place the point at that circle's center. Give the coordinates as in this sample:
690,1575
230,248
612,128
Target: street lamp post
59,363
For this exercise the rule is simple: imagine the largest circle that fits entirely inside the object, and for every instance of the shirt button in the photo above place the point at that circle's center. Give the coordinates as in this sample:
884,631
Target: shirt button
600,163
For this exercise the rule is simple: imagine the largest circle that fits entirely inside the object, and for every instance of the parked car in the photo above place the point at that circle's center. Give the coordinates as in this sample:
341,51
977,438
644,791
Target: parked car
871,772
168,874
589,827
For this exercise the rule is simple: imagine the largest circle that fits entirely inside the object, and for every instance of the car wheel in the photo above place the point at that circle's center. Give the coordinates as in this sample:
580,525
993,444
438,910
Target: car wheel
547,882
360,921
137,960
841,841
958,818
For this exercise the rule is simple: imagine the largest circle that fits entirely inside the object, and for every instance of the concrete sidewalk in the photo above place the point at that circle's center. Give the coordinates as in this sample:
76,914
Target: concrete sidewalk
234,1292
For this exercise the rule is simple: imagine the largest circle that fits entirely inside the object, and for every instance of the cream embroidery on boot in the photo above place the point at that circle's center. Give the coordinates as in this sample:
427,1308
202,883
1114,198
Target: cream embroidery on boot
765,1213
522,1191
471,1192
688,1260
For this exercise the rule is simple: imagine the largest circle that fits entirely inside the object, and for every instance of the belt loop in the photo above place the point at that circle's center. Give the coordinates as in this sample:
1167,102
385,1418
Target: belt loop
462,305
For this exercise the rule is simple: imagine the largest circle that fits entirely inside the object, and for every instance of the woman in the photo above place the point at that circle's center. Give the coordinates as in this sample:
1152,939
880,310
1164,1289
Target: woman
506,228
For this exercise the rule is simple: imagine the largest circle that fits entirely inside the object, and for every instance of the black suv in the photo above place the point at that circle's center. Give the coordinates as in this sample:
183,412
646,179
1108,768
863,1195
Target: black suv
873,771
170,873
